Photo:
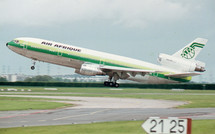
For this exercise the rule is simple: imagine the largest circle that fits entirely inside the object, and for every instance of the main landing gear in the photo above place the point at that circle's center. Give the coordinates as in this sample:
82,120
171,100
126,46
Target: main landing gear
113,83
33,66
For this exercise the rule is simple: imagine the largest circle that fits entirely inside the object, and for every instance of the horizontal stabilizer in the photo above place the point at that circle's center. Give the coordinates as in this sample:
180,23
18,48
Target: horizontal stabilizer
182,75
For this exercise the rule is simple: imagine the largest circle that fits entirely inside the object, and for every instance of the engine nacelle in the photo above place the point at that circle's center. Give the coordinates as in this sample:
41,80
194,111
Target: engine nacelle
181,64
200,66
89,69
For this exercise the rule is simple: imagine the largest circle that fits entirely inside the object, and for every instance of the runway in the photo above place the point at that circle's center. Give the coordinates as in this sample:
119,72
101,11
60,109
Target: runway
108,102
99,109
90,115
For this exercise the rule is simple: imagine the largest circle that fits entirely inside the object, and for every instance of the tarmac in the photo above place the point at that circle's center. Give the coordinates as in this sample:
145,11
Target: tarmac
100,109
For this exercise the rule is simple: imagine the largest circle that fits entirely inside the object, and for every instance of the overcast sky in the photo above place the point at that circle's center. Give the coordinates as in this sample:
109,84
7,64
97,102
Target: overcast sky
138,29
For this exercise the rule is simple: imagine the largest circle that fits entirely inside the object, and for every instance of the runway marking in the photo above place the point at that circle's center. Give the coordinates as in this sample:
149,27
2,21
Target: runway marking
70,116
41,120
18,115
92,113
7,122
99,111
23,121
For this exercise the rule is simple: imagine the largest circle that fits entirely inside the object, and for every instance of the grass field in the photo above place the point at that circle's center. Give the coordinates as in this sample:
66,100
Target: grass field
196,98
17,103
102,90
120,127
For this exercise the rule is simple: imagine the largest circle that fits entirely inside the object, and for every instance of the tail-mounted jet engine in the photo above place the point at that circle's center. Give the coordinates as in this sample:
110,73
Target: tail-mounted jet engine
181,64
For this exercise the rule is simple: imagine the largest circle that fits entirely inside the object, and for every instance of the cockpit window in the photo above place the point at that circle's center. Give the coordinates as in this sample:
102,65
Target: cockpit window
16,41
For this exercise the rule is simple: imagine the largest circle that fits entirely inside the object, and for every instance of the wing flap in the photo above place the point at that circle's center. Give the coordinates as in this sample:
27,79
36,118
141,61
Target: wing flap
182,75
123,69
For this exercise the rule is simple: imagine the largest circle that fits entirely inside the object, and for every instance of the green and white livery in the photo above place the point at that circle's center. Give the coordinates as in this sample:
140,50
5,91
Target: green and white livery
191,50
175,68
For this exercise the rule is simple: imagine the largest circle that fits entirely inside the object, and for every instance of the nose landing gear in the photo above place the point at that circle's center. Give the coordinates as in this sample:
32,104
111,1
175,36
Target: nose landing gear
33,66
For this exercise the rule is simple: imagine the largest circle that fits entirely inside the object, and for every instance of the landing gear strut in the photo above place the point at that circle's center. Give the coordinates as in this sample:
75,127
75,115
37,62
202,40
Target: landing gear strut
33,66
111,83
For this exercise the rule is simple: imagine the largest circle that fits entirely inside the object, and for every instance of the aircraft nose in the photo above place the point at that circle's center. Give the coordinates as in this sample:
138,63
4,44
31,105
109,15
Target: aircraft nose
7,44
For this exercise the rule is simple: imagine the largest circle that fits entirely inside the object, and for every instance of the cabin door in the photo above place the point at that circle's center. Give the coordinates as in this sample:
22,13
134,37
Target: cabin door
60,53
102,62
24,48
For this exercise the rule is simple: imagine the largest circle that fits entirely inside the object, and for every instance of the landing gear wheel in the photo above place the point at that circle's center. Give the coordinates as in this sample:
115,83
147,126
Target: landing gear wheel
111,84
116,85
32,67
106,83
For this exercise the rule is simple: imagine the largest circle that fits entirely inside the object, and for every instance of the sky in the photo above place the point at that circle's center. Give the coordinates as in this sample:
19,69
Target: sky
139,29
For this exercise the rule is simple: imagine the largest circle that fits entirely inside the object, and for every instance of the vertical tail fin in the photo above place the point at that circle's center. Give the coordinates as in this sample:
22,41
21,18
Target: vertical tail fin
191,51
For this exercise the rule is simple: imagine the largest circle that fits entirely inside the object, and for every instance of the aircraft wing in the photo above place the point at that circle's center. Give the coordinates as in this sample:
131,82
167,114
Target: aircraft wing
123,69
181,75
143,71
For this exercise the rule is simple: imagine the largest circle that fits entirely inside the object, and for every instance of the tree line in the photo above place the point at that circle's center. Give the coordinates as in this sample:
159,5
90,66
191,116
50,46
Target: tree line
45,78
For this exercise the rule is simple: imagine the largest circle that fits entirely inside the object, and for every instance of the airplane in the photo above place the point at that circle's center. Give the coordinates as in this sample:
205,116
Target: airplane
176,68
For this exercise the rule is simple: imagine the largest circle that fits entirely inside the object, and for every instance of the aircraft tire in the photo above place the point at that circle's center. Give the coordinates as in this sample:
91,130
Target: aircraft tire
111,84
106,83
32,67
116,85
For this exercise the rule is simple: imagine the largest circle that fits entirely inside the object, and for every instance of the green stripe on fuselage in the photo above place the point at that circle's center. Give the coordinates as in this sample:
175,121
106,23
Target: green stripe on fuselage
87,58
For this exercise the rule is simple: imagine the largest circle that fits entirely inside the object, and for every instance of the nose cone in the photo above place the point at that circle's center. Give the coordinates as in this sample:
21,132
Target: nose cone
7,44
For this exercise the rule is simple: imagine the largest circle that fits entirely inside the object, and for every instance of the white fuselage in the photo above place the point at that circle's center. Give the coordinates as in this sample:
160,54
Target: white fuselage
89,55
